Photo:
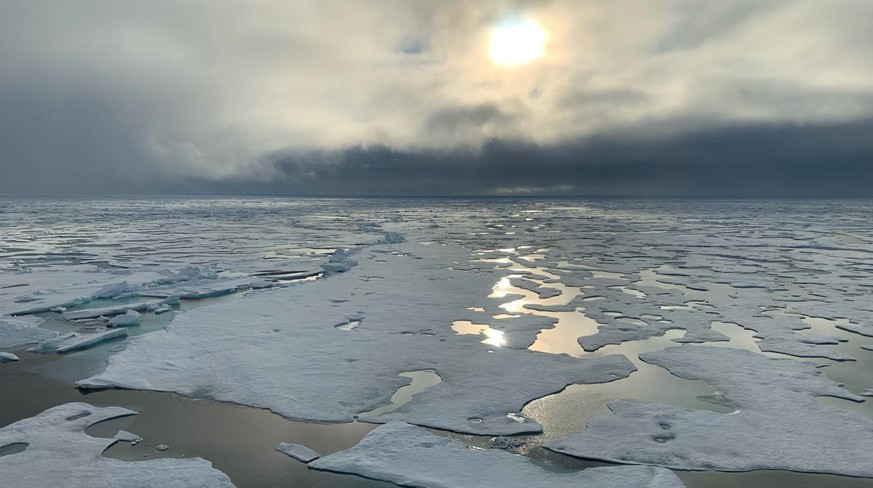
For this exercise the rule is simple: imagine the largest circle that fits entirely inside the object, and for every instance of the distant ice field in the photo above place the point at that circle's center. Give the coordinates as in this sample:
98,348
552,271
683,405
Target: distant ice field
693,335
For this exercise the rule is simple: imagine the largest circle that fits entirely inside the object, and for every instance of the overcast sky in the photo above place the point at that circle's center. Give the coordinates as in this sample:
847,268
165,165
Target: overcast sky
399,97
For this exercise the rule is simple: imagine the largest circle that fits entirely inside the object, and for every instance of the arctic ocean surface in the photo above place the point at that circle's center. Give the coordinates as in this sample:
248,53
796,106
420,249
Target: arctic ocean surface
229,341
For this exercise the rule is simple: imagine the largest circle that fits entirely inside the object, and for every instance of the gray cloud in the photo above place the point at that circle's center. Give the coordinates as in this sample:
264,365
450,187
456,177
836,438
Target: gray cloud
641,97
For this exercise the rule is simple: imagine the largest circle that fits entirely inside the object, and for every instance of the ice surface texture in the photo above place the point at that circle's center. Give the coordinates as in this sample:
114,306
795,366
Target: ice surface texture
59,453
17,331
298,452
779,424
75,341
410,456
279,349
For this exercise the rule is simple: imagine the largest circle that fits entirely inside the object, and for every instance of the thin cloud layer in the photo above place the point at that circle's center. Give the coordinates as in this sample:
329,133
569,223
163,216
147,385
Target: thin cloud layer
287,96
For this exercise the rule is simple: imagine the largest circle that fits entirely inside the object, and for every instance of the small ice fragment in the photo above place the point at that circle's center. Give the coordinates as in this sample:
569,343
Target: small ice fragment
506,443
83,341
298,452
125,436
114,290
339,262
7,356
131,317
867,393
162,447
516,417
348,325
392,238
162,309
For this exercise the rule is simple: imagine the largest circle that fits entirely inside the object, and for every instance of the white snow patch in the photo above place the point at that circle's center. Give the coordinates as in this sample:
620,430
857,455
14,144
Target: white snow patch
779,424
338,375
410,456
18,331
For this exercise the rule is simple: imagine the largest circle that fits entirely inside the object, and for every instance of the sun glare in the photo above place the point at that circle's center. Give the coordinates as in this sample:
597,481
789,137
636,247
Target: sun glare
518,44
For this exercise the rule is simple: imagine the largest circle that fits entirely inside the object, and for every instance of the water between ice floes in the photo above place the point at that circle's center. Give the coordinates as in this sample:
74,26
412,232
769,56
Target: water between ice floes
240,441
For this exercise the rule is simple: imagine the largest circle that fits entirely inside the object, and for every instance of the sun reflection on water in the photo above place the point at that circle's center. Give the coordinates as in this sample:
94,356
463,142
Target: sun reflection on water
492,336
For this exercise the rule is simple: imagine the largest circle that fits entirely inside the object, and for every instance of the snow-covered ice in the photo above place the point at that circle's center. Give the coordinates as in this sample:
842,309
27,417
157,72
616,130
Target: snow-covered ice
7,357
629,271
120,309
125,436
127,319
339,262
226,352
298,452
59,453
410,456
76,340
778,425
20,331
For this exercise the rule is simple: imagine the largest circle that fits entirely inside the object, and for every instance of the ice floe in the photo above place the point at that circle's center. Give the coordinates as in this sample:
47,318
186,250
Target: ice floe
127,319
298,452
339,262
120,309
340,373
74,341
125,436
7,357
410,456
17,331
778,425
59,453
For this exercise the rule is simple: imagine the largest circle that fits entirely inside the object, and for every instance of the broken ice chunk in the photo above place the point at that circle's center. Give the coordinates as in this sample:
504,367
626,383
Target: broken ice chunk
411,456
129,318
339,262
118,310
115,290
506,443
19,331
392,238
74,341
125,436
298,452
7,357
57,452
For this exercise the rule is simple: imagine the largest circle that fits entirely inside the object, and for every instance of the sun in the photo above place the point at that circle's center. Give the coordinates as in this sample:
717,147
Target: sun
518,44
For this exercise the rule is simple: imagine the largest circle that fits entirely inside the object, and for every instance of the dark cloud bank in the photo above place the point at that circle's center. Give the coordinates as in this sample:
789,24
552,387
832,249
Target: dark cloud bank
789,161
749,161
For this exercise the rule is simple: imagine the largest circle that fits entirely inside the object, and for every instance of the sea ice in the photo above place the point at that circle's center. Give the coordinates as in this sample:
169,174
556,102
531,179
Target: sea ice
119,310
778,425
339,262
18,331
410,456
125,436
7,357
129,318
298,452
860,329
407,314
59,453
75,340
